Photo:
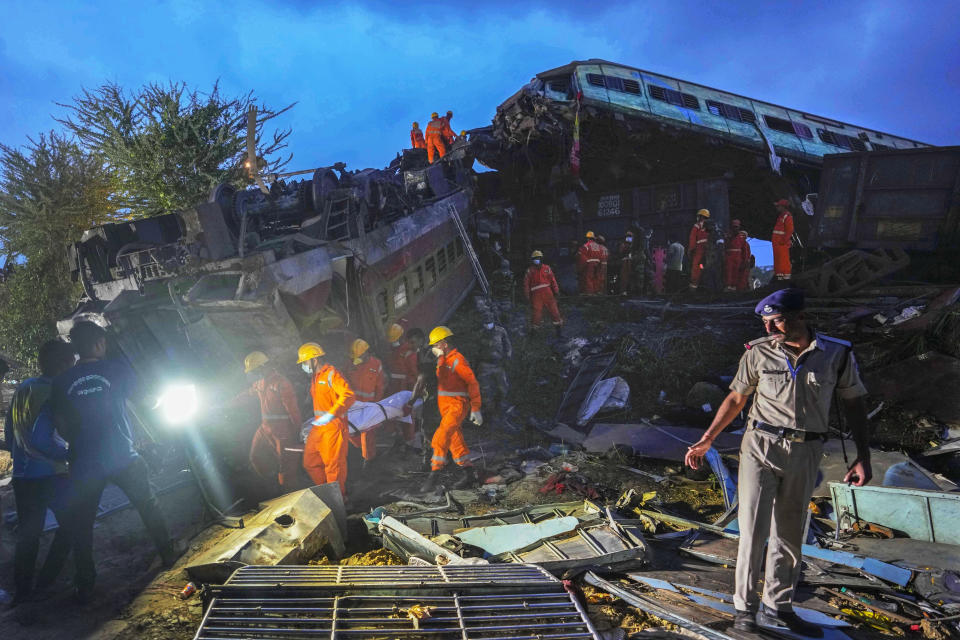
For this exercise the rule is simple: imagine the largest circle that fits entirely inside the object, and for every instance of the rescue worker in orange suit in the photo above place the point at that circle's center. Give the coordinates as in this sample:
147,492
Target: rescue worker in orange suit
416,137
588,265
402,362
782,240
279,422
367,379
604,255
325,452
458,393
697,247
737,258
434,137
447,132
541,291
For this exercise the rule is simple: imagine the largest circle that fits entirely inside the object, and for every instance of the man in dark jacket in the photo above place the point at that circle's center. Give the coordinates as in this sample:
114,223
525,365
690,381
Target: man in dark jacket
39,470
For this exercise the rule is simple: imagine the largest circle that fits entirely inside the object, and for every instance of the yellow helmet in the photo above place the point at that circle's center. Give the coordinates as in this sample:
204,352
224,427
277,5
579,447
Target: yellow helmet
254,360
704,212
590,234
439,333
463,133
537,254
434,115
416,125
308,351
357,349
394,333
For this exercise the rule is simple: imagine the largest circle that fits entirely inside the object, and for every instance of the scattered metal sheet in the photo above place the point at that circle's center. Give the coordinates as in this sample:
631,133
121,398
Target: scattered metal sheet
505,601
919,383
290,529
882,570
593,369
833,467
933,516
851,271
407,543
503,538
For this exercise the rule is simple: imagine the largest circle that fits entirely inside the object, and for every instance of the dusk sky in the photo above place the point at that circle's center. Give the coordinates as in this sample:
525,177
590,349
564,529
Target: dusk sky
362,71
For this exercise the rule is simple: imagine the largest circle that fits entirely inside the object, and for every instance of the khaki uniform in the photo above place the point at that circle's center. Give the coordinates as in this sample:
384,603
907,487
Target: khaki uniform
778,472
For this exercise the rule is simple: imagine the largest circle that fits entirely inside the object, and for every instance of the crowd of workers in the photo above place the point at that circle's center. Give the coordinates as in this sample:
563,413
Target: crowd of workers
439,136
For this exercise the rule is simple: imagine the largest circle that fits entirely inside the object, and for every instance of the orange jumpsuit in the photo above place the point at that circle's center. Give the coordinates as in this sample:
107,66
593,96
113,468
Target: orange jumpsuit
782,240
697,248
416,138
737,259
434,139
588,267
279,426
367,381
325,453
403,368
447,132
457,394
540,288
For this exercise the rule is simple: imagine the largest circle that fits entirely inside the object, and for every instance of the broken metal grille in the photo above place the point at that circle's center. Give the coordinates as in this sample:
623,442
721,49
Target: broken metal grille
467,602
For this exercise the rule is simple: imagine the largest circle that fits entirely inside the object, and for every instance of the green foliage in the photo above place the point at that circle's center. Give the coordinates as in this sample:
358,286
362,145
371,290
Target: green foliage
50,192
170,146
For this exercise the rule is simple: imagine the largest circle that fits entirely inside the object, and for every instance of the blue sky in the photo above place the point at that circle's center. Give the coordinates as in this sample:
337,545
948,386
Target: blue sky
362,71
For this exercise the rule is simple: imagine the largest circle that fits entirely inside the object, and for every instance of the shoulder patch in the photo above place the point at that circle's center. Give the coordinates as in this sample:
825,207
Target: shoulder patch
753,343
845,343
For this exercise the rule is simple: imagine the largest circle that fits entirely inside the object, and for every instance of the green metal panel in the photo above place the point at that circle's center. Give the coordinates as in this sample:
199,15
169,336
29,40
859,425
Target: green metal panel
933,516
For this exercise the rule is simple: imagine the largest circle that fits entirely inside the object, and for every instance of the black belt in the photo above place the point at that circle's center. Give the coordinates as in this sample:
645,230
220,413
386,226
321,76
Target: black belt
793,435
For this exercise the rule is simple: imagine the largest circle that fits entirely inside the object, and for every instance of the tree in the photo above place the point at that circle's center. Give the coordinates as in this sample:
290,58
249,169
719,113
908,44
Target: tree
168,146
50,192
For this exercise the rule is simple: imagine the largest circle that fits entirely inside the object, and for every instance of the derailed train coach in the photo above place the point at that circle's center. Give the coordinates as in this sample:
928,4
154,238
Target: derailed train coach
185,296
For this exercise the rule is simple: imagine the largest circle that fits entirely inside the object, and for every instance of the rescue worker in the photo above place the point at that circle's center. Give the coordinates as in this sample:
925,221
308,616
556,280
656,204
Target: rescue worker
712,277
604,254
737,259
401,362
367,380
625,254
495,351
697,247
416,137
89,403
39,472
794,371
279,421
447,131
541,290
325,452
434,137
782,240
588,265
674,264
458,394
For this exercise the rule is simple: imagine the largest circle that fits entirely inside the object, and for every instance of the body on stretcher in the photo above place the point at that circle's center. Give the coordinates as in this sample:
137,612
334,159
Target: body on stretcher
364,416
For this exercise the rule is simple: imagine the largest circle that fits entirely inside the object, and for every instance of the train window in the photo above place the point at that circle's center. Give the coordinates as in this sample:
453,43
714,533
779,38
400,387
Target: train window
614,83
686,100
802,130
779,124
879,147
459,244
731,112
441,261
595,79
842,141
430,266
400,295
746,115
451,254
558,86
382,309
631,86
418,281
690,101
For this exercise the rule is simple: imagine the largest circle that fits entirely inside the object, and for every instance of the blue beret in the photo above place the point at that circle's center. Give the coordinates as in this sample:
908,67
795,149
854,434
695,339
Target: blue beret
780,301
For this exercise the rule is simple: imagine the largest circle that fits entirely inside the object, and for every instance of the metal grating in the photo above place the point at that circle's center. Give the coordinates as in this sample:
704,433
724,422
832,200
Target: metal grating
372,602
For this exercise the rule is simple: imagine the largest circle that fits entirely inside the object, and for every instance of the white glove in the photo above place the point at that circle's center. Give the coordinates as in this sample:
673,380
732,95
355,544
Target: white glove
322,420
476,418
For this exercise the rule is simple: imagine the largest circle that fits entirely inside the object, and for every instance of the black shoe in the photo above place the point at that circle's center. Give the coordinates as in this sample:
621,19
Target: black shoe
767,617
744,621
468,480
432,481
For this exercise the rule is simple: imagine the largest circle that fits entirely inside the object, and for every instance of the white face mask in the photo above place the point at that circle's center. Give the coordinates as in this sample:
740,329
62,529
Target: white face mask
395,343
437,351
629,238
488,326
306,367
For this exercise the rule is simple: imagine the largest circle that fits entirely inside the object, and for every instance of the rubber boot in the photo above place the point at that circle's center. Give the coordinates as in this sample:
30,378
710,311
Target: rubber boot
432,481
468,479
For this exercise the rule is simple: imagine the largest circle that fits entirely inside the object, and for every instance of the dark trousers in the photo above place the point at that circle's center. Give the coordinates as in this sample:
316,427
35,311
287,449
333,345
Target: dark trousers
134,481
34,496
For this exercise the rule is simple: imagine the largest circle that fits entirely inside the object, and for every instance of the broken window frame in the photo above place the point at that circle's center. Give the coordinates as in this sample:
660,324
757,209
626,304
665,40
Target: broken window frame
383,305
401,297
840,140
441,261
418,281
430,266
596,80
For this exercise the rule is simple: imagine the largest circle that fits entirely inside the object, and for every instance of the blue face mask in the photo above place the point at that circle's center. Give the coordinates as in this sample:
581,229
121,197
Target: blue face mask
488,326
629,238
536,261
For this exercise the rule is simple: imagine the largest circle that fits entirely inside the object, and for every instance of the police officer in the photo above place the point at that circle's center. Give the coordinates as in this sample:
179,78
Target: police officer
495,350
794,371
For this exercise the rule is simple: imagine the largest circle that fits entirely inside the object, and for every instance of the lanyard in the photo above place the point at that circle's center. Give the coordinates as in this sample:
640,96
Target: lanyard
793,371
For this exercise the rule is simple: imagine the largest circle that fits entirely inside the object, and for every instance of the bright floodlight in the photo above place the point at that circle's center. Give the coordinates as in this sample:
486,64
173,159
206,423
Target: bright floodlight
178,403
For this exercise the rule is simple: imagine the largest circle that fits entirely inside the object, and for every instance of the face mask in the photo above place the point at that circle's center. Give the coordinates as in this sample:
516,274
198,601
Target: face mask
395,343
536,261
629,238
306,367
488,326
437,351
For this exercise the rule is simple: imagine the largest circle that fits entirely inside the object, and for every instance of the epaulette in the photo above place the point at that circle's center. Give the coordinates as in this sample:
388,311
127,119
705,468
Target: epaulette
752,343
845,343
